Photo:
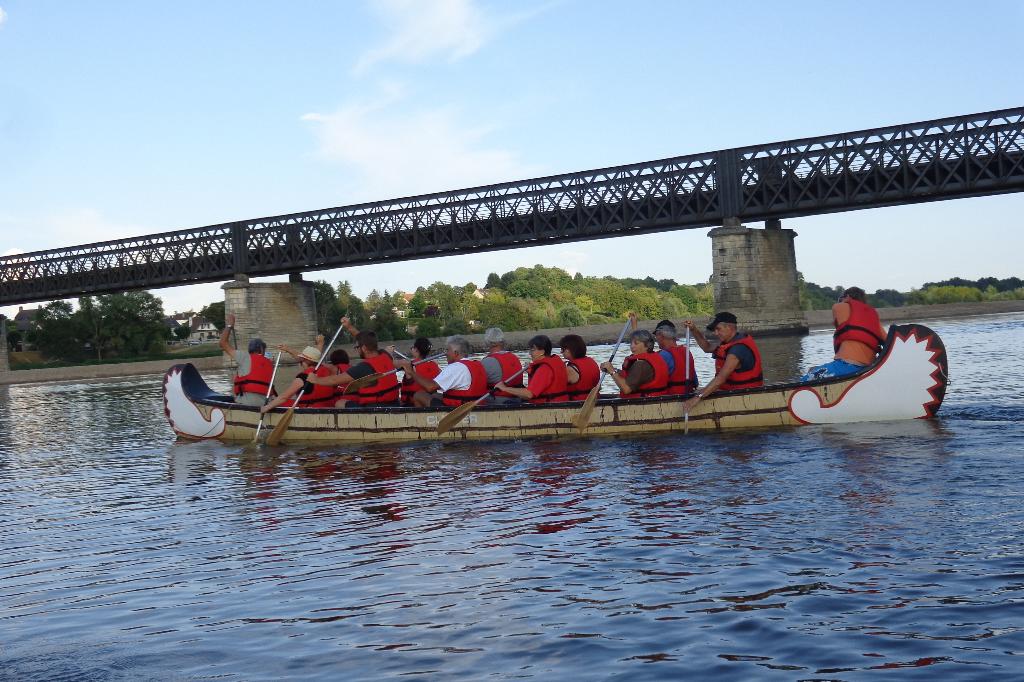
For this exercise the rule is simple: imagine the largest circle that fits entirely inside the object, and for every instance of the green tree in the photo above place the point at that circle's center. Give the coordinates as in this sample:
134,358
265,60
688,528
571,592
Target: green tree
182,331
429,327
328,310
493,281
571,316
132,323
56,333
214,312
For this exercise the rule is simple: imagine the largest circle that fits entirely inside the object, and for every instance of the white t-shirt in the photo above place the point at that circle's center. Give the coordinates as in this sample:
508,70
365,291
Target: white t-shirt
454,376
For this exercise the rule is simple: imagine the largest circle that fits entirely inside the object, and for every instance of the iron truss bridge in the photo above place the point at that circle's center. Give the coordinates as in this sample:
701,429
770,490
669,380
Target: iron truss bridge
963,156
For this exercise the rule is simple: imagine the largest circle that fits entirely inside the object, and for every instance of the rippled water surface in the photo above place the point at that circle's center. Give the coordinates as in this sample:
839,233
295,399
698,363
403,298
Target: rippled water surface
814,553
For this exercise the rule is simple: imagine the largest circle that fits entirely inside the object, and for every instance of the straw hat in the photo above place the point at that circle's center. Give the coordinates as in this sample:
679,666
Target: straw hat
310,353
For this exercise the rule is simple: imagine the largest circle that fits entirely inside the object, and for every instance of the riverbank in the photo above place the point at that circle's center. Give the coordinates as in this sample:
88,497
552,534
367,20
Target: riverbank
594,334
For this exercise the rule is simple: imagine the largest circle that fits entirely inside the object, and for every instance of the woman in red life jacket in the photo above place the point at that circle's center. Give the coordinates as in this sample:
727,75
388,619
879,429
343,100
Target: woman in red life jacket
310,394
384,391
858,338
583,372
461,381
547,378
420,349
644,373
737,358
682,374
501,363
252,378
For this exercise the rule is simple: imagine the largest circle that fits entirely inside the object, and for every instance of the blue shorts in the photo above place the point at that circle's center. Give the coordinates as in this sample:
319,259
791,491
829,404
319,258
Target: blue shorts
836,368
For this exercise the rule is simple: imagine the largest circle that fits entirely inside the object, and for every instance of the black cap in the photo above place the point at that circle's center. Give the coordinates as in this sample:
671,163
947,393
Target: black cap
721,317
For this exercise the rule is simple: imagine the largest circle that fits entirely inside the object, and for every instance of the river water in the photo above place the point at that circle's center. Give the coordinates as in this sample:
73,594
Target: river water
824,553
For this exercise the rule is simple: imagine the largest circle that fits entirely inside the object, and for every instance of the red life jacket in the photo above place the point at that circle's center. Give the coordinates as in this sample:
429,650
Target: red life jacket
678,384
510,364
656,386
556,390
862,326
429,369
477,385
320,396
590,374
385,390
339,390
751,378
257,380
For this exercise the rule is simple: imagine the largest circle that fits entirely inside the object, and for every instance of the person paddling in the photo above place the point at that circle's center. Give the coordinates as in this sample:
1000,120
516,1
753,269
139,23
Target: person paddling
681,379
548,378
582,372
311,395
426,368
644,373
252,377
501,363
384,391
737,358
462,381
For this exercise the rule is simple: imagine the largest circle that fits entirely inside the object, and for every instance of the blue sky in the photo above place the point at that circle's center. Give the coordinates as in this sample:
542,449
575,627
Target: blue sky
120,119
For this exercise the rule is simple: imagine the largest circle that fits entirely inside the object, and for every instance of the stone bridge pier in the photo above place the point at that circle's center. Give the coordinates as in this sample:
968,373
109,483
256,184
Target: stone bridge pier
754,276
277,312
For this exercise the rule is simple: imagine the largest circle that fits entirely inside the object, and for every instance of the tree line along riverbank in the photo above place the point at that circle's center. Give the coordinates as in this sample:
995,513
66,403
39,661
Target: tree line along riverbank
516,340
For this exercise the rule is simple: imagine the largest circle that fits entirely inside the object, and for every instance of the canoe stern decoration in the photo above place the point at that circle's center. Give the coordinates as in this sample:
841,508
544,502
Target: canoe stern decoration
189,420
907,382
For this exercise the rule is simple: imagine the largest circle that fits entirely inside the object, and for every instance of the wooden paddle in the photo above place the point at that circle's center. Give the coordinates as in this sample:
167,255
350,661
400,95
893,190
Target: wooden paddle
686,415
582,420
270,389
452,419
374,378
278,433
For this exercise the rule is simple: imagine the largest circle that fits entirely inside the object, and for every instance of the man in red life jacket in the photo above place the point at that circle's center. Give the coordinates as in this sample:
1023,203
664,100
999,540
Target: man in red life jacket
500,363
737,358
375,361
252,378
462,381
547,378
858,338
644,373
583,372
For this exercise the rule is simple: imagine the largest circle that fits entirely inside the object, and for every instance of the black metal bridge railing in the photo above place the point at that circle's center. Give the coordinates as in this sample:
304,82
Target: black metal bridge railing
963,156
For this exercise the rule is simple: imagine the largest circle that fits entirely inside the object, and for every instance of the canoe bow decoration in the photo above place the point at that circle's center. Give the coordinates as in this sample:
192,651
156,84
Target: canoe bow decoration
184,415
908,381
909,384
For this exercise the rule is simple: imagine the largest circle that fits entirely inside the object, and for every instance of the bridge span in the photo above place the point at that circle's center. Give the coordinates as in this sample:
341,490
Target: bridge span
961,156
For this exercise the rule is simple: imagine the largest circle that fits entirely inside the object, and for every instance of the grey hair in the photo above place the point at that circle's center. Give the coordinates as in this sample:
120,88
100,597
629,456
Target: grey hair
459,343
666,331
494,335
644,336
257,346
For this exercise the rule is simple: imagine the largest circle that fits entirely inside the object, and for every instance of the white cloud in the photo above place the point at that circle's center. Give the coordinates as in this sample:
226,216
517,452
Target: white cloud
422,29
3,16
391,151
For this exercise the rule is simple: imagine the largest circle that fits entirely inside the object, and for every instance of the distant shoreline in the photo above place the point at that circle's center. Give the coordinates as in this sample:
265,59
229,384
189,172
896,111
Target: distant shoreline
593,334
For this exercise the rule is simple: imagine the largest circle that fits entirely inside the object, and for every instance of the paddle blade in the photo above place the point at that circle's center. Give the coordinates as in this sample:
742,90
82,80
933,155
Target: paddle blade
278,433
361,382
582,420
259,427
452,419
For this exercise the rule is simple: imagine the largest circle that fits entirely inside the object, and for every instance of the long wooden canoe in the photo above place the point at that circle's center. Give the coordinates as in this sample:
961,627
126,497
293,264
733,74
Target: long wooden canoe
907,381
